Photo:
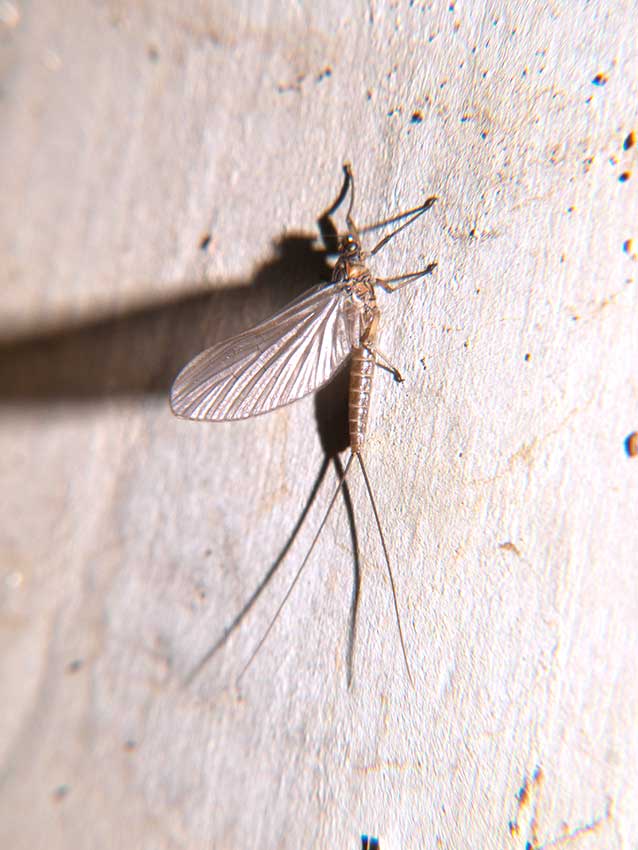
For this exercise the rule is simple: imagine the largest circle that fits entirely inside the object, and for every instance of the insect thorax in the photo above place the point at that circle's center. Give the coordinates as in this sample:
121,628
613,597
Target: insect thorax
358,291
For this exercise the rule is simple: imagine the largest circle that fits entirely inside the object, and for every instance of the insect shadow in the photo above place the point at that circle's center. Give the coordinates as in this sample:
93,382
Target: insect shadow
136,353
331,406
331,413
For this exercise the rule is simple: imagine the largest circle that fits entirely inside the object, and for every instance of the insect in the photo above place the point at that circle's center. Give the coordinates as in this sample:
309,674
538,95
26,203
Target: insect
299,350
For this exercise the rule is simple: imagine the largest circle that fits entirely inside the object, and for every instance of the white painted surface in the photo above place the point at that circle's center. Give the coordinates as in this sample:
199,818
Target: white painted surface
129,540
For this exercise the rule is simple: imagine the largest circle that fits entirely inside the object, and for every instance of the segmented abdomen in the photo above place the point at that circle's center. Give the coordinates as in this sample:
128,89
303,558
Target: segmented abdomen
361,372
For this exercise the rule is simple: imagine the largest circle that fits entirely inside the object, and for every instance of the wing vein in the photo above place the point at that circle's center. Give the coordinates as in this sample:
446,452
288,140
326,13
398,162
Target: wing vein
281,360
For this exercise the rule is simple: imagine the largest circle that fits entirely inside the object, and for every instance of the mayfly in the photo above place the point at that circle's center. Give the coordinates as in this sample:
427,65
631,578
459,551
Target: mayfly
299,350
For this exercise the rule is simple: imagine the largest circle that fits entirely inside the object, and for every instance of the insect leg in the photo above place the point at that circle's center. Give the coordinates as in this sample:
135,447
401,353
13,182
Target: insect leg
299,571
382,361
400,216
342,194
400,281
327,229
411,215
352,227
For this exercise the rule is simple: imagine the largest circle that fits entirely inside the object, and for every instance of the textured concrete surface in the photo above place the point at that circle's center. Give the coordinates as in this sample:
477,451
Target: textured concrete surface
163,168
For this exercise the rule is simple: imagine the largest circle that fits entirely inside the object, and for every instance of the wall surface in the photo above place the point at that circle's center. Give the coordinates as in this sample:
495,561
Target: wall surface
163,169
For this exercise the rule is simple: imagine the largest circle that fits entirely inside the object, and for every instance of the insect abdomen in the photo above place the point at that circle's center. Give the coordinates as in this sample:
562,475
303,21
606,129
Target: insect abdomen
361,372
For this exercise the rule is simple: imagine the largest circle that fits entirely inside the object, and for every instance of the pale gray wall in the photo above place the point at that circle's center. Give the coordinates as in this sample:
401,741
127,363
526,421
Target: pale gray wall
129,539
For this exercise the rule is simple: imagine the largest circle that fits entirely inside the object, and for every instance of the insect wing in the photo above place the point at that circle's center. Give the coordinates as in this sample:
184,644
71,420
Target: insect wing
285,358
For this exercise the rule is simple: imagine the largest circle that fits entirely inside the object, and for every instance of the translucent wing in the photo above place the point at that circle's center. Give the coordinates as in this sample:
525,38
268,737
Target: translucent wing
279,361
